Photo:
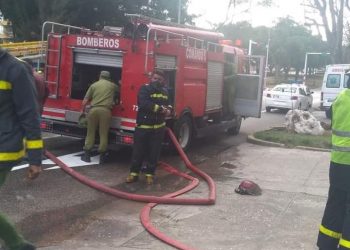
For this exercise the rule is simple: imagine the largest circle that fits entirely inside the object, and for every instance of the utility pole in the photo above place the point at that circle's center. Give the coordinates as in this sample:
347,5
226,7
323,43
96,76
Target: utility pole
267,59
179,13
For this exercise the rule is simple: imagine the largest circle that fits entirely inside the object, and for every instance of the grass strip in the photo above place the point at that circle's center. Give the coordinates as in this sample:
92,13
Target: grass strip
292,139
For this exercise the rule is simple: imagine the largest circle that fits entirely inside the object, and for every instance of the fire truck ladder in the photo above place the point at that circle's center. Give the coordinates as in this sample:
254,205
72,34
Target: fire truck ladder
55,66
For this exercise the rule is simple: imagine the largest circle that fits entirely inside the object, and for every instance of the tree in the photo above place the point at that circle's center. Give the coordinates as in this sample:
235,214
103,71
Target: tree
331,21
289,44
27,16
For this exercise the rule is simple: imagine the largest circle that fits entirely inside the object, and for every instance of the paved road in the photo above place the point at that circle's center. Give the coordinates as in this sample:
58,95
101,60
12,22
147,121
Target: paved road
57,212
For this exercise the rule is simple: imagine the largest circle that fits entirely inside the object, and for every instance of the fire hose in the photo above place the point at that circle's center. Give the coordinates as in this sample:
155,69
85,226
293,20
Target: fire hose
154,200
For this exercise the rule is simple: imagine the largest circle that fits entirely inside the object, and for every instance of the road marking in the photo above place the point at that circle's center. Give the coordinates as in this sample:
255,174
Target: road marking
72,160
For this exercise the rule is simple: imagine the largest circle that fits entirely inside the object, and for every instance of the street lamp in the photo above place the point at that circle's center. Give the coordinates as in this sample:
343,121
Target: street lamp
250,47
305,66
267,60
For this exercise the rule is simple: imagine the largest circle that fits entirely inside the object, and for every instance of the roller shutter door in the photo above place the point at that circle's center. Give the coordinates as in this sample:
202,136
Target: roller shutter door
214,85
98,57
165,62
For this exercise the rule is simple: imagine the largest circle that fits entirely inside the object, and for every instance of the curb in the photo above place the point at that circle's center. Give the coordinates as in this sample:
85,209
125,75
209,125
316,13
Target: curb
253,140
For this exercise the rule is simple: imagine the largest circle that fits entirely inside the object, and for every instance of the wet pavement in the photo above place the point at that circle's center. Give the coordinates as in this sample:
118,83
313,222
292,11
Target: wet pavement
57,212
285,216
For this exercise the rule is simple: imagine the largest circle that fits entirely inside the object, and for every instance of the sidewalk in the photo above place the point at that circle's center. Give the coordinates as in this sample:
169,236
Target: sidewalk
286,216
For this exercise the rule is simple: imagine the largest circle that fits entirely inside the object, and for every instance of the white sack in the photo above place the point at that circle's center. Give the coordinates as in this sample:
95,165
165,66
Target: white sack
303,122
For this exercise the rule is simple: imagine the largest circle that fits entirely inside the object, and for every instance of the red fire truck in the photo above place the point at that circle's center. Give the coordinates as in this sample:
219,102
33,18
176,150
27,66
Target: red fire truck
211,83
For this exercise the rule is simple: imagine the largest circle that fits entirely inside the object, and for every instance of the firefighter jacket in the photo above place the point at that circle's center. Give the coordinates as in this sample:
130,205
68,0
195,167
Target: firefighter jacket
19,117
150,100
341,128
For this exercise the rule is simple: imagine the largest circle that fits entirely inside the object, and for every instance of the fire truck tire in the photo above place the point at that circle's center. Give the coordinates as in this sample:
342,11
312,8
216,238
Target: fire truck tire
183,129
236,128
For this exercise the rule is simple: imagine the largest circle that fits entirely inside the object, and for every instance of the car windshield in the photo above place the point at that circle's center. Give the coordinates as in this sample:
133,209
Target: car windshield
285,89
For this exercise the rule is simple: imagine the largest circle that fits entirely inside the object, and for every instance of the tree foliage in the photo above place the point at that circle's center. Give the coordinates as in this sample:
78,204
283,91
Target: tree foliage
289,42
27,16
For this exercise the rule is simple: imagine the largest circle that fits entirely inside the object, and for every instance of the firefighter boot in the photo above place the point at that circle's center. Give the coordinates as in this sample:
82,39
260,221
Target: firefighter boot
86,156
132,177
103,157
149,179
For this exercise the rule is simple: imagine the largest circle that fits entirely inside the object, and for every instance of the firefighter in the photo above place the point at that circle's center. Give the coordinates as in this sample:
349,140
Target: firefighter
19,132
334,232
41,88
102,96
152,101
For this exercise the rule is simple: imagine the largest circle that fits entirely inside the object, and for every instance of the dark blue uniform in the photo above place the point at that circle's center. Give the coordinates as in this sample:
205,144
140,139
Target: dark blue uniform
19,117
150,127
19,131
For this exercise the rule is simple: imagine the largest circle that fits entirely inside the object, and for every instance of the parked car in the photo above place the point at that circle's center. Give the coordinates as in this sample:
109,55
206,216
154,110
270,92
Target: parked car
289,96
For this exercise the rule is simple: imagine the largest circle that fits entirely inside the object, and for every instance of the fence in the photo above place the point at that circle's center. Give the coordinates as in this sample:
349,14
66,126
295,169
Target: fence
24,49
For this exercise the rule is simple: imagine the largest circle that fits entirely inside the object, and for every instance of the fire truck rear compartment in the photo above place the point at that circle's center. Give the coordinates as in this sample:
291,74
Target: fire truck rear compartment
85,74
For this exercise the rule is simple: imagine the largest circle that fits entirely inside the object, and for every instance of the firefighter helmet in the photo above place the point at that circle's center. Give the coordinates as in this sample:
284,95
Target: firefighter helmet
248,187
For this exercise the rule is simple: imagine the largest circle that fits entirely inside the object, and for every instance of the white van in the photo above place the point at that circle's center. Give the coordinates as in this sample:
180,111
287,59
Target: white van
334,81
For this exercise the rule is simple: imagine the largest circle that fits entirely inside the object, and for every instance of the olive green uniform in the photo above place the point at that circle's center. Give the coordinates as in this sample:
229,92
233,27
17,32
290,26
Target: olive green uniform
102,95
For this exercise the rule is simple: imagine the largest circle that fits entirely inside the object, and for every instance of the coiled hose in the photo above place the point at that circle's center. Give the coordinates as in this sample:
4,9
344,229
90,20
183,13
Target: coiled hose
154,200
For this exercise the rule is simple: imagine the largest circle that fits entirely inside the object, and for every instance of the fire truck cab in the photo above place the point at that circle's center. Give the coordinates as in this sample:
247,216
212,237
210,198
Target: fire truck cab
211,83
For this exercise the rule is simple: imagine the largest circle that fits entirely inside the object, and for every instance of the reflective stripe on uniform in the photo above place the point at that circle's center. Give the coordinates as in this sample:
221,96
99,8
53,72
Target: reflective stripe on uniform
134,174
344,243
329,232
340,149
340,133
340,141
34,144
156,107
152,126
165,97
13,156
4,85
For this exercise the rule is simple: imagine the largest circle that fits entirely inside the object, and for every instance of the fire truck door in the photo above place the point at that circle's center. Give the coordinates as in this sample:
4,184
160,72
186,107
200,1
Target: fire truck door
249,87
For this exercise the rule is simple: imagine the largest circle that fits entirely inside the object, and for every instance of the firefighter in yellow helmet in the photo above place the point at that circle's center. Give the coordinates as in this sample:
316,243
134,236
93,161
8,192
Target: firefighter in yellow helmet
102,95
334,232
19,132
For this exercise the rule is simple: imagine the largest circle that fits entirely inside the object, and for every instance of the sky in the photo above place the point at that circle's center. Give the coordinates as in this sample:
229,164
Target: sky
214,11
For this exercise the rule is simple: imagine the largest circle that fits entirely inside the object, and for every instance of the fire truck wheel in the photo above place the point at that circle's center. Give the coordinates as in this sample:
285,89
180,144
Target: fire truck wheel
235,129
183,131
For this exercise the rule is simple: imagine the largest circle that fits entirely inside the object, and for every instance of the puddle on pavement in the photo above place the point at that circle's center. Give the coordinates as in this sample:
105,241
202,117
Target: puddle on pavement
50,227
